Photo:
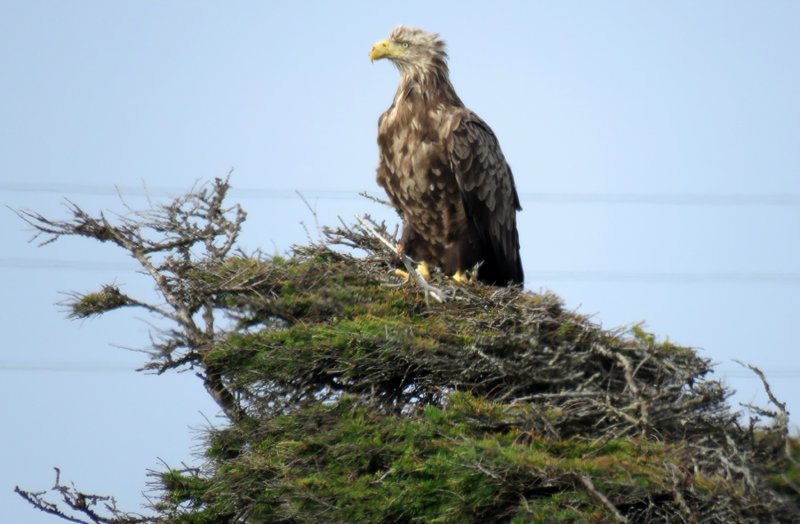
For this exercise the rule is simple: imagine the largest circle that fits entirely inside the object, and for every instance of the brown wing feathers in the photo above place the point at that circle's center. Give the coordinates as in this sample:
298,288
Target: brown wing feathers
490,199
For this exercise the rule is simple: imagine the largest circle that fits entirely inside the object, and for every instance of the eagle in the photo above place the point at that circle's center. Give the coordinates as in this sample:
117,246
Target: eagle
443,170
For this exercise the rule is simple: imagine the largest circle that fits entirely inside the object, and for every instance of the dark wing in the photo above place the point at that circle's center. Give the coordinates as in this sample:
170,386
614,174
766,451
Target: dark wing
489,195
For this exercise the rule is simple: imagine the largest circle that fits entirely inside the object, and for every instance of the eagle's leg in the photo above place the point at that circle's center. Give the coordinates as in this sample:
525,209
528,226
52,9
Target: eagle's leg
409,245
422,269
463,277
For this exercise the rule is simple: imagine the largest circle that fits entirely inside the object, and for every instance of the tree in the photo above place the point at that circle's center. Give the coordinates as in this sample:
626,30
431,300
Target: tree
354,397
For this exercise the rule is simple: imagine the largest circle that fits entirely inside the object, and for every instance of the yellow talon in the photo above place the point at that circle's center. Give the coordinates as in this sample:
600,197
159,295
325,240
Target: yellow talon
424,270
463,277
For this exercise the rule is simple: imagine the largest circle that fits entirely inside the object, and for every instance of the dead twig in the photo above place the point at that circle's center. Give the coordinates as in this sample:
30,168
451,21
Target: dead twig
434,292
588,485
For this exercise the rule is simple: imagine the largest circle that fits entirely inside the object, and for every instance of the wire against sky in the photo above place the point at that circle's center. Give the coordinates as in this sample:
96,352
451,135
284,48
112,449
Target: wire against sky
592,276
67,367
688,199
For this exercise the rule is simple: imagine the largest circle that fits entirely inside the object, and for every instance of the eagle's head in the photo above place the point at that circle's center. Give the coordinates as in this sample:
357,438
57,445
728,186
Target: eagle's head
411,50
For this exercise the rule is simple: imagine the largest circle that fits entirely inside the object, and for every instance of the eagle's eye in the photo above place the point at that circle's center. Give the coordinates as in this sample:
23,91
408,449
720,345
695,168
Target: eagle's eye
404,44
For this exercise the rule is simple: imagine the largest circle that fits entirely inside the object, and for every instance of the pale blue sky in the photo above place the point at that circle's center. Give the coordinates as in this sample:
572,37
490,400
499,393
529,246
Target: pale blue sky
590,101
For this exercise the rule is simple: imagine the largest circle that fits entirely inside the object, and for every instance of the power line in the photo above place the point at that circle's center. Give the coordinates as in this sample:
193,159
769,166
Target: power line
593,276
67,367
673,199
114,367
665,277
80,265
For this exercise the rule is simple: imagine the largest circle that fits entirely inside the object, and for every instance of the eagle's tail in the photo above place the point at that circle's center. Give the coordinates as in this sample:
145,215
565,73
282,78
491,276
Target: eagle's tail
501,272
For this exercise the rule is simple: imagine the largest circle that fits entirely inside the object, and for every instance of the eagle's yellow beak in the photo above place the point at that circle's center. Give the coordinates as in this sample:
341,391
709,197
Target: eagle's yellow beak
383,49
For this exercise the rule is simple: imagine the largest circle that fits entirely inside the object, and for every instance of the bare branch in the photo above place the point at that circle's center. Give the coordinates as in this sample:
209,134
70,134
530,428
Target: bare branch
429,290
176,244
589,487
99,509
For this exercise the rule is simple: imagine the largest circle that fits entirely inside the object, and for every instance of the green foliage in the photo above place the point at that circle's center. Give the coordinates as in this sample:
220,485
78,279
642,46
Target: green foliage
369,404
787,479
103,301
346,462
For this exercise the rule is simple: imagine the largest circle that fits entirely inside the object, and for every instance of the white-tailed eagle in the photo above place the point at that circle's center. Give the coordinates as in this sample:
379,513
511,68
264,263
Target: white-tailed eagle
443,169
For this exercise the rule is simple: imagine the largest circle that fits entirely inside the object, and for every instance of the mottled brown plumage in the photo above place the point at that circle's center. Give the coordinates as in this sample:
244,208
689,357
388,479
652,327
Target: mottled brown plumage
443,169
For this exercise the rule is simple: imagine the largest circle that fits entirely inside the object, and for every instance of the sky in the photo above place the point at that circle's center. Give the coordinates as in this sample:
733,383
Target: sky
655,146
